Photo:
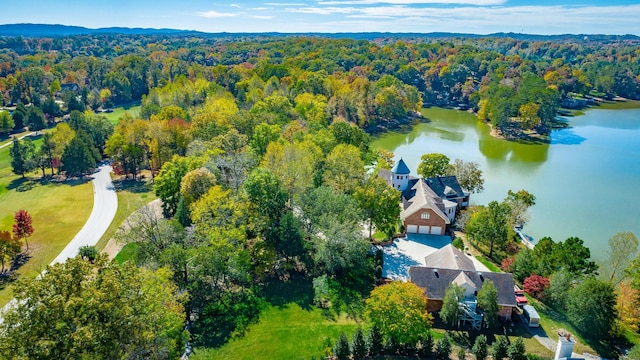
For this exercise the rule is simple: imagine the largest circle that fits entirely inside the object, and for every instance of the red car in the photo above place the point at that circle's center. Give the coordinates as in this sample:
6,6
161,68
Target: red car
520,298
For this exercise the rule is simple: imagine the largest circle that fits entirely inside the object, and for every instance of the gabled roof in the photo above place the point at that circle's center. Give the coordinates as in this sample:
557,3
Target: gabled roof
449,257
423,198
445,186
435,281
401,168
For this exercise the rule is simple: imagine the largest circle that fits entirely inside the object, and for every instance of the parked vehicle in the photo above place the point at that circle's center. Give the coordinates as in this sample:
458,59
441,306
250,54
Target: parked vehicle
531,316
520,298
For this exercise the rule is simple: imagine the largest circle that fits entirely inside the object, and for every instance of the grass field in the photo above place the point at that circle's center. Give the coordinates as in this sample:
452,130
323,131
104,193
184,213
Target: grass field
133,109
58,209
486,262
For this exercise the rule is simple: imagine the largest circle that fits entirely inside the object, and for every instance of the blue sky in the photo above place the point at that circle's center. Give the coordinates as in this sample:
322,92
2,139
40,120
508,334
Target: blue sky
466,16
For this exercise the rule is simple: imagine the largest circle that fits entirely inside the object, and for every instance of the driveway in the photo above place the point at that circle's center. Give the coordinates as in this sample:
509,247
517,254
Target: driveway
105,205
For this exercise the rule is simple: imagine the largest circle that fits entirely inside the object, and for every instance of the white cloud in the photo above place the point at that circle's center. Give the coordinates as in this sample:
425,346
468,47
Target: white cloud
215,14
266,17
284,4
324,10
235,5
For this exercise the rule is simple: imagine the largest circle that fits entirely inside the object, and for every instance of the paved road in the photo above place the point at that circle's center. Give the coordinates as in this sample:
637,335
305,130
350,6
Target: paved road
105,205
20,138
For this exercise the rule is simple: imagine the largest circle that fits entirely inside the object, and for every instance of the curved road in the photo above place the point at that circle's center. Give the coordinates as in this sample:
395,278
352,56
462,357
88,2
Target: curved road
105,205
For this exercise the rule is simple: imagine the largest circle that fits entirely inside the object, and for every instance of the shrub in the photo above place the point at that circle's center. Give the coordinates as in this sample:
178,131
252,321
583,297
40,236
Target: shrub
424,347
374,341
517,350
443,348
507,264
479,349
535,285
458,243
88,252
461,354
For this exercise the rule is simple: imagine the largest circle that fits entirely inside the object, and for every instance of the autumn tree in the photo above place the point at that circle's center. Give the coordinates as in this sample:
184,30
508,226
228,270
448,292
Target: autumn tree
432,165
22,228
468,174
627,301
536,285
398,309
102,310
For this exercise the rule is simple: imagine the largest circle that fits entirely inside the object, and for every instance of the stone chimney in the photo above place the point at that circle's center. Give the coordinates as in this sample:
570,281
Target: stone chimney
565,347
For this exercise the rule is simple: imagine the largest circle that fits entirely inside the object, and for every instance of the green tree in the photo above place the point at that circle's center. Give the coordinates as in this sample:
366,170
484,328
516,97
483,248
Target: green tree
479,349
341,349
591,307
517,350
9,248
77,158
196,183
490,225
500,348
263,135
519,202
344,168
379,204
374,340
623,247
559,285
266,195
488,302
168,181
468,174
443,348
6,123
575,257
101,310
432,165
20,117
450,311
22,157
398,309
35,119
359,345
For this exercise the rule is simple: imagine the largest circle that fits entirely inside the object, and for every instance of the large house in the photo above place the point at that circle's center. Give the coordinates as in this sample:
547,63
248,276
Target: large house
428,205
450,265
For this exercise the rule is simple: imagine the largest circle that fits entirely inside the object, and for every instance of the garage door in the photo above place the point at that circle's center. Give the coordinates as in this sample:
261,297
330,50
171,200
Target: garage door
436,230
423,229
412,229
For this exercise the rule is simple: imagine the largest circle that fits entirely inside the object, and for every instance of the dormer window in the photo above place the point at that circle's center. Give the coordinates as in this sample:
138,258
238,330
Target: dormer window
424,216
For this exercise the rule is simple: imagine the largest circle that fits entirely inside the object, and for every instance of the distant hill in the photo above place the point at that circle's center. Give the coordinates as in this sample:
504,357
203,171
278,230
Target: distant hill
46,30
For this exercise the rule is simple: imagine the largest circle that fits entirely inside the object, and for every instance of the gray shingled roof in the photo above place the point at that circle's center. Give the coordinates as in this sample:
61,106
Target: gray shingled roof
449,257
441,184
435,281
423,198
401,168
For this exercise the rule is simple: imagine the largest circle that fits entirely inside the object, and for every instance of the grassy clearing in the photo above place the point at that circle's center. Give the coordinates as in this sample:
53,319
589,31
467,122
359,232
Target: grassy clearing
5,139
59,210
128,253
486,262
284,332
132,195
133,110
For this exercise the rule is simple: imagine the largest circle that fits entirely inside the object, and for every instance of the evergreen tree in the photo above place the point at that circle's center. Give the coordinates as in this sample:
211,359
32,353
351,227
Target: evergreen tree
35,119
488,302
443,348
359,347
77,159
341,349
374,341
480,348
22,157
517,350
499,348
19,116
425,350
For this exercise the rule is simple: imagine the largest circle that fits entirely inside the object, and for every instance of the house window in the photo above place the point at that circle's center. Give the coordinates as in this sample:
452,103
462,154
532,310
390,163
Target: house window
424,216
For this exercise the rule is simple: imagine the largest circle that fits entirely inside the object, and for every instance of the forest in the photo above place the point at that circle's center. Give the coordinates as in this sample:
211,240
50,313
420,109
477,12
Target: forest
259,149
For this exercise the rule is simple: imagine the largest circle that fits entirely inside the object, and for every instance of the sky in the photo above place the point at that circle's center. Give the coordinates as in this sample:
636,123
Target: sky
463,16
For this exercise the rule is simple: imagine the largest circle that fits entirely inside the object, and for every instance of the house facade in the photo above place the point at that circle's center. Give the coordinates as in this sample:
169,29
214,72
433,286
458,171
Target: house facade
428,205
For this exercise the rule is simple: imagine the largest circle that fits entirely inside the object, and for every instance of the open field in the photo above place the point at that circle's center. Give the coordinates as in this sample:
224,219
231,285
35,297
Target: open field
59,210
133,110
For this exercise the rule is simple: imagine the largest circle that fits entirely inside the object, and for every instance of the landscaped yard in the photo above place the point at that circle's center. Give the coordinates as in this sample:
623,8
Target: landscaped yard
114,117
289,327
58,209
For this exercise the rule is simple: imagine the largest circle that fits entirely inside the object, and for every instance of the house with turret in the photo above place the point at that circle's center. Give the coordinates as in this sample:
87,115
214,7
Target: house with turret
429,206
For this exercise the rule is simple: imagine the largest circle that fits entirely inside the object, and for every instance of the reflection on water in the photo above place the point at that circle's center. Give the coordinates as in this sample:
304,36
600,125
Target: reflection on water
589,172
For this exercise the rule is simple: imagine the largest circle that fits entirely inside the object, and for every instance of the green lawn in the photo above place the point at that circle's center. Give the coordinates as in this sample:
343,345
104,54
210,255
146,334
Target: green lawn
284,332
58,209
127,253
133,110
132,195
486,262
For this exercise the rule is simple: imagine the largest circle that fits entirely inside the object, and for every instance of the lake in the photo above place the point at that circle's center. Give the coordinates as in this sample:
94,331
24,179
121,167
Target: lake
586,181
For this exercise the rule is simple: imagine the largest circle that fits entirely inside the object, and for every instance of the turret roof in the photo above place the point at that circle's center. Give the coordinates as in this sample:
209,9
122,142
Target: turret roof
401,168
